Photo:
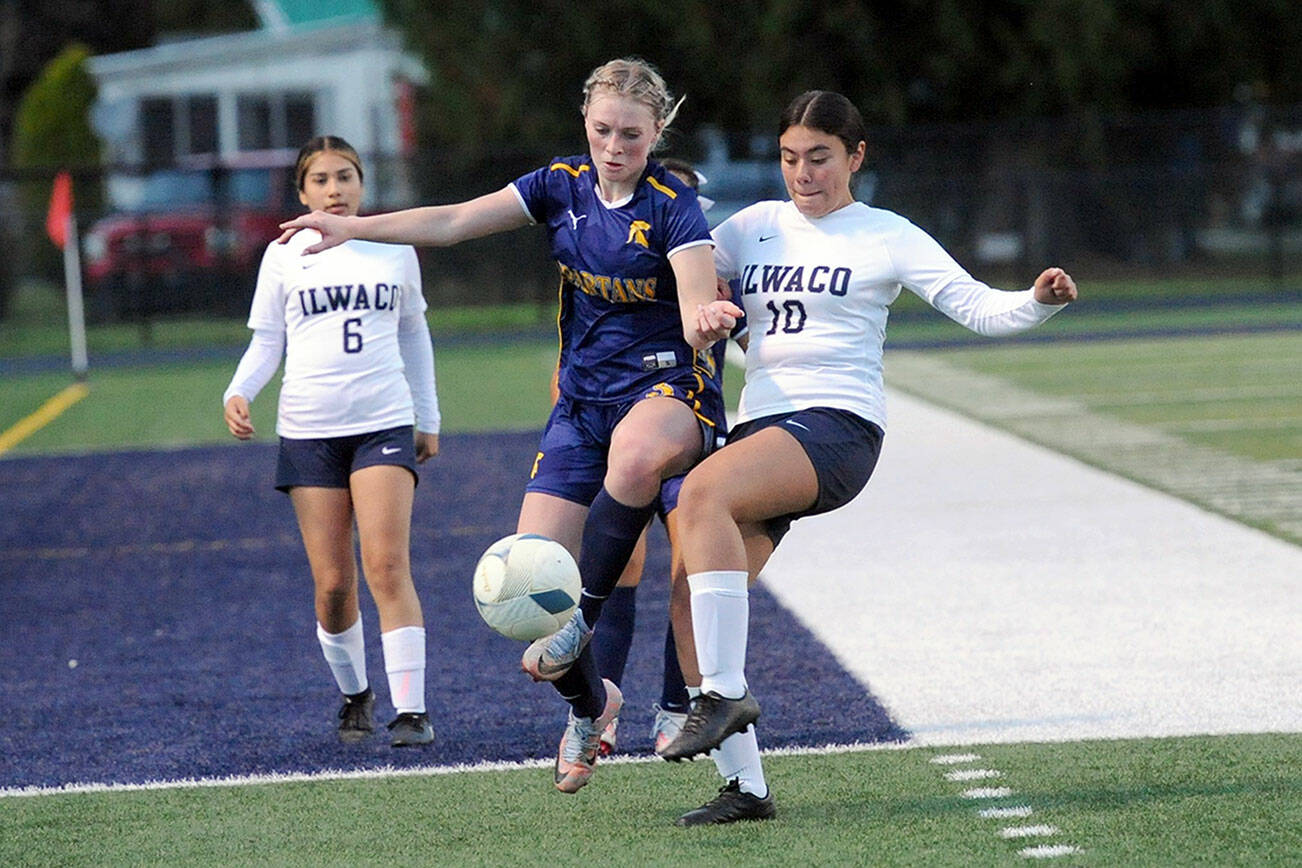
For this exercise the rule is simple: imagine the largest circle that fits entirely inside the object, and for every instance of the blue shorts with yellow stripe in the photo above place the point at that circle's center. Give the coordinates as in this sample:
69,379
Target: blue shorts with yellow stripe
571,460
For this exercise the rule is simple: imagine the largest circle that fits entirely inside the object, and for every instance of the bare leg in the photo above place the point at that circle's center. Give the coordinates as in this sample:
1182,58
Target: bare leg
325,519
554,517
382,501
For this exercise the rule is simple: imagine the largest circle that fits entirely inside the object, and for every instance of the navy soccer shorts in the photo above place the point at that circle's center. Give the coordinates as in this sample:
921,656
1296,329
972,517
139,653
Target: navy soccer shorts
842,446
329,461
571,460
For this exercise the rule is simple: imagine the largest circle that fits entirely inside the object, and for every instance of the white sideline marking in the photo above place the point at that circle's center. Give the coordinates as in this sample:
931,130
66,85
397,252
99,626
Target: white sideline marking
972,775
950,759
1015,812
1028,831
1049,851
987,793
389,772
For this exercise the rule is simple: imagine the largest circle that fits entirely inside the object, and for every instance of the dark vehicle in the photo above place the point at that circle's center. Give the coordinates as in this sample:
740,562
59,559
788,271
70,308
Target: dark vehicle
190,241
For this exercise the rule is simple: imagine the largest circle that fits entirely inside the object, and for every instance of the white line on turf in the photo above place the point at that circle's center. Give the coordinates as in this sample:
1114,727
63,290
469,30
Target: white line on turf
1049,851
953,759
972,775
987,793
1007,812
389,772
1028,831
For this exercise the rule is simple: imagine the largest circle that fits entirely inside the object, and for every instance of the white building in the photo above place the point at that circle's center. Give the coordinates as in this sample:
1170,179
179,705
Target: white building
245,99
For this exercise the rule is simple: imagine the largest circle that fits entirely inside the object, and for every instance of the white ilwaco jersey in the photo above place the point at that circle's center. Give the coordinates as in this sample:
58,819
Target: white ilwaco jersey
816,293
339,311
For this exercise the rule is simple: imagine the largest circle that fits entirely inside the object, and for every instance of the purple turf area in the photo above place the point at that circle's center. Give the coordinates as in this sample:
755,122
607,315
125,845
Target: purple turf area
177,583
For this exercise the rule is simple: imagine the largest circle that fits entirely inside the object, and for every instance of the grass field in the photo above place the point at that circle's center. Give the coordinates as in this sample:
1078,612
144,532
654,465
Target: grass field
1188,801
1216,800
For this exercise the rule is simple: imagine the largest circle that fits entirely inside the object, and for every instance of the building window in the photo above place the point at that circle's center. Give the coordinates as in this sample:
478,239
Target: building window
158,131
202,124
253,113
300,119
279,120
174,127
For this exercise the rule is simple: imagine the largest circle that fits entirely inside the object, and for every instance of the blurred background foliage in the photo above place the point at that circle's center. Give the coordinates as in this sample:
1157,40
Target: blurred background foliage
1125,138
507,72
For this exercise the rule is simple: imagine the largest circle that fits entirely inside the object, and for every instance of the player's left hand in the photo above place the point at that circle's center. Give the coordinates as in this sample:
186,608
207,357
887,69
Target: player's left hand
427,446
1054,286
716,320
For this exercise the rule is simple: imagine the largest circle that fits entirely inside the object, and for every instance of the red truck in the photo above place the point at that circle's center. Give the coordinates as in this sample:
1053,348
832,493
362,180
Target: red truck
186,240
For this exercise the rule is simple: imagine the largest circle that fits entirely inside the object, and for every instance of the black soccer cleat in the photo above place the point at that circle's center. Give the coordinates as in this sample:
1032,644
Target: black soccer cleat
730,806
712,719
355,721
411,728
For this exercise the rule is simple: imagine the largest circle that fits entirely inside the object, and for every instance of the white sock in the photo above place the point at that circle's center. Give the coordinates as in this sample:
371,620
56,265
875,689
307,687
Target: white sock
404,661
346,654
739,757
720,612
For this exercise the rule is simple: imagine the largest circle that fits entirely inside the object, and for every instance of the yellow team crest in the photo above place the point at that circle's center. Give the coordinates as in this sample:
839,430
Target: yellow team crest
661,389
637,232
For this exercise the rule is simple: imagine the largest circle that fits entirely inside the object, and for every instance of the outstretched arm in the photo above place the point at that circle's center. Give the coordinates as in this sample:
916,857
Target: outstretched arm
430,226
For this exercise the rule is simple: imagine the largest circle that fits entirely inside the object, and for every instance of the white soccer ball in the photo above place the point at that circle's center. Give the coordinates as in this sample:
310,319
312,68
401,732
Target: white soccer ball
526,586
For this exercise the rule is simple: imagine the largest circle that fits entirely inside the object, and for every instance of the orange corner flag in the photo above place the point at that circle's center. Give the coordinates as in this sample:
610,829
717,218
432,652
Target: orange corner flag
56,219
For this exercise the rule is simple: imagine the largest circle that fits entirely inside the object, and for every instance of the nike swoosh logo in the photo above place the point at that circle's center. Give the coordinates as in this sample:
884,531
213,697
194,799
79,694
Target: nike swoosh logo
545,668
793,423
764,238
389,450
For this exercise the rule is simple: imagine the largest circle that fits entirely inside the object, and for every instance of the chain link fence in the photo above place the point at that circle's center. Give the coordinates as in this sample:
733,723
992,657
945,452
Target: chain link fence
1175,194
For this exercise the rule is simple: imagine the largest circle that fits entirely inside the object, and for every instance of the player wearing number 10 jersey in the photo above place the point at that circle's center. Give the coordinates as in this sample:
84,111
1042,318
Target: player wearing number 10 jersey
359,376
817,274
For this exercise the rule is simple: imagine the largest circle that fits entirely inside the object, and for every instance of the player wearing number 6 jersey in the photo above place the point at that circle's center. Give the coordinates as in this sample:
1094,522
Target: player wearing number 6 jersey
817,275
358,411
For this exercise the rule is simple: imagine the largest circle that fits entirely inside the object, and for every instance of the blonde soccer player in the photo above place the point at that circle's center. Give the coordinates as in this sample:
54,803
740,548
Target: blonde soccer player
638,307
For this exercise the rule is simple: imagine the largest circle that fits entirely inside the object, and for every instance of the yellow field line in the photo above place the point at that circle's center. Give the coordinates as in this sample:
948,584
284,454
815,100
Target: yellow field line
45,414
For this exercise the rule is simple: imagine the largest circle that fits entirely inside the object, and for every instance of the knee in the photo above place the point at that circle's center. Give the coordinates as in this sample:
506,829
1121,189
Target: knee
699,500
335,601
387,574
335,582
632,464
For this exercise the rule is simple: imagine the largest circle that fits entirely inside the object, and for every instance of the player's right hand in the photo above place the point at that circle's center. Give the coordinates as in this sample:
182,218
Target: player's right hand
715,321
333,229
237,418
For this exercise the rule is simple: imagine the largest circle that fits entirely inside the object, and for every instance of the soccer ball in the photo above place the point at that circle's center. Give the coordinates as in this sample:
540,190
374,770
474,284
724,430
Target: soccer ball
526,586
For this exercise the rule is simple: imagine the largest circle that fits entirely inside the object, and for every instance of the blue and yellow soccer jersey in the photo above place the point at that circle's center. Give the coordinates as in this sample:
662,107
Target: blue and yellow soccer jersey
620,329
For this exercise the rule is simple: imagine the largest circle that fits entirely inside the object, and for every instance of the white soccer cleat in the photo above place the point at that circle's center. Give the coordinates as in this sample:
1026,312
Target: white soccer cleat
666,726
581,742
550,657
